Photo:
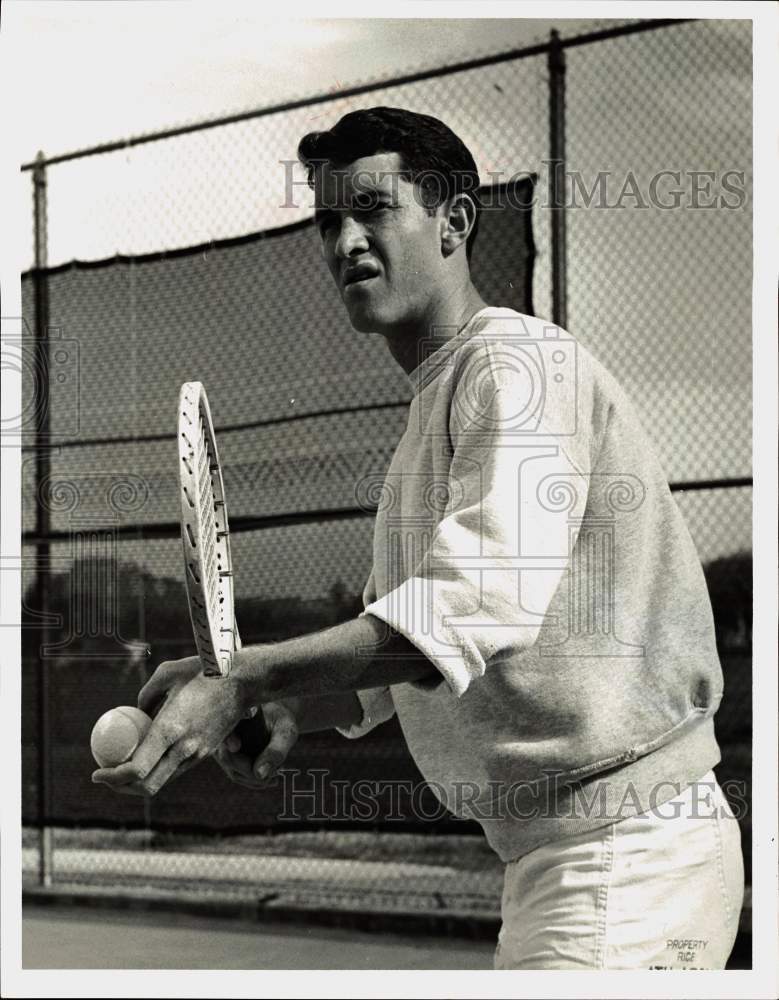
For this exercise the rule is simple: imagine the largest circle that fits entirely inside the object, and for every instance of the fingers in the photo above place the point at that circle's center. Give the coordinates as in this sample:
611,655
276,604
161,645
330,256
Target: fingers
130,779
262,771
153,692
160,739
194,715
283,736
161,754
171,766
168,676
123,779
238,768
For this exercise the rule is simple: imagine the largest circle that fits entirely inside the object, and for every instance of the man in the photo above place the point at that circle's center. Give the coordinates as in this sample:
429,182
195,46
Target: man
536,616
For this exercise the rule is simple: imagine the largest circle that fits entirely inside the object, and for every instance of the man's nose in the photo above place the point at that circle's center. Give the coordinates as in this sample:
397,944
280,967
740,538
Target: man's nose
351,238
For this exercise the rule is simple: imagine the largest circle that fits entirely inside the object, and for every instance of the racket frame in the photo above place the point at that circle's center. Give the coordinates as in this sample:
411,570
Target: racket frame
205,534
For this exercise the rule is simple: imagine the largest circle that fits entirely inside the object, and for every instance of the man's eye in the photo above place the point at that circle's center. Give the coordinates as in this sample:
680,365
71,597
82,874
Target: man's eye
365,202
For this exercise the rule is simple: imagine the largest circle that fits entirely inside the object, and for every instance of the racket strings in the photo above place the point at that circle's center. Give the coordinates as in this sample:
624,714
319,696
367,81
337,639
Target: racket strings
205,535
208,533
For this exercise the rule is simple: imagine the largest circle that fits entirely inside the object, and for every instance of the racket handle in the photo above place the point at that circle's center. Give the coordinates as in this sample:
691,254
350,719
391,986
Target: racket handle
253,734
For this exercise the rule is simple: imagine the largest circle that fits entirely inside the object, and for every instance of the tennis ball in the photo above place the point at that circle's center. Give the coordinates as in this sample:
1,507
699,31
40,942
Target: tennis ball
116,735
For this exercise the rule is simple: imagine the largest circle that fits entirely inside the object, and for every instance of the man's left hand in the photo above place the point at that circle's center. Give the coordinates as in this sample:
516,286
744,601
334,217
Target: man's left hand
197,714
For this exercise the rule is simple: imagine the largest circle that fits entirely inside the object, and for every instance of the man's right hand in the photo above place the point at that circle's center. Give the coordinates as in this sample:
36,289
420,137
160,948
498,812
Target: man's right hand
262,771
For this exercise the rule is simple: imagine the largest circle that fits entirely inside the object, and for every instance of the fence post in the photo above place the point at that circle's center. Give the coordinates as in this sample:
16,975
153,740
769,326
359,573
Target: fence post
557,192
42,520
142,678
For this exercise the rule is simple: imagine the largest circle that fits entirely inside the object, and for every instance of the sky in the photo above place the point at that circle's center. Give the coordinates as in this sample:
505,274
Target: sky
121,68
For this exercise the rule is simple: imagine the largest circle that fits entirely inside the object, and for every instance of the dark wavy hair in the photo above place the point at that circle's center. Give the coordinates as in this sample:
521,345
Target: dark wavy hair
432,156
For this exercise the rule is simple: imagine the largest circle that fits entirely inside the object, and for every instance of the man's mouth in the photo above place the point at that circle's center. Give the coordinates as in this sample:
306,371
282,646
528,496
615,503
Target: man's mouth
361,272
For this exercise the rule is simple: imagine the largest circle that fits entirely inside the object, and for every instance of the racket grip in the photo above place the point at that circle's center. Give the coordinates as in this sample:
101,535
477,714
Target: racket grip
253,734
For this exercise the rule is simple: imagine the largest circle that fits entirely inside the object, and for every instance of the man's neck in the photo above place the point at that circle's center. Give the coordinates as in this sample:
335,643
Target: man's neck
409,347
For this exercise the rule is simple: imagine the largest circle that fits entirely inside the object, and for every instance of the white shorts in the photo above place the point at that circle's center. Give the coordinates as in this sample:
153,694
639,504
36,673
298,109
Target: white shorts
662,890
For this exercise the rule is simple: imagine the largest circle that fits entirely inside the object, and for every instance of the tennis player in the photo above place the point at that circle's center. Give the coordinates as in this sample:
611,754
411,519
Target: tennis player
536,617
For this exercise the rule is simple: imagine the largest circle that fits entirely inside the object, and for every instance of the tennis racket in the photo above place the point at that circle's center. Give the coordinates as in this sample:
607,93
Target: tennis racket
205,534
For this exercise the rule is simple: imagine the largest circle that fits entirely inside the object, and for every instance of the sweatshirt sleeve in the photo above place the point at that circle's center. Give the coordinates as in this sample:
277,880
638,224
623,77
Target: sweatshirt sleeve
503,545
377,706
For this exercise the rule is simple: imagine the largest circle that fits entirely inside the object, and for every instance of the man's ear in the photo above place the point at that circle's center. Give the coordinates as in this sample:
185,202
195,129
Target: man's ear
459,218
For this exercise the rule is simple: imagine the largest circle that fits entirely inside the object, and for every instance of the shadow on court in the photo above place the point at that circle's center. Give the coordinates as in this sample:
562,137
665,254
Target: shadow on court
80,938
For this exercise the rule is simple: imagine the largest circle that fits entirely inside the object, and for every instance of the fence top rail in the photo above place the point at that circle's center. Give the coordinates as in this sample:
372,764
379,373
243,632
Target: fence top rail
172,529
524,52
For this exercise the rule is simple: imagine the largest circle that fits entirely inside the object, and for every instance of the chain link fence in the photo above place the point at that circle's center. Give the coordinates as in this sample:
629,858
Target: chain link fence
193,257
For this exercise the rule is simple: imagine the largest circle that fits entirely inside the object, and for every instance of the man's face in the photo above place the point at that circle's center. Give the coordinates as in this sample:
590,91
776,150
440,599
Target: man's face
381,245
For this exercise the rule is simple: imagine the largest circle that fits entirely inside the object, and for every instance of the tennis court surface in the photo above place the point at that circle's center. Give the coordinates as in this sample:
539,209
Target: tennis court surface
83,938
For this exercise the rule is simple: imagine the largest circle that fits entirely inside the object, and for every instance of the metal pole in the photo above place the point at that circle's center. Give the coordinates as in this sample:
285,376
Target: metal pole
557,192
42,469
141,607
142,669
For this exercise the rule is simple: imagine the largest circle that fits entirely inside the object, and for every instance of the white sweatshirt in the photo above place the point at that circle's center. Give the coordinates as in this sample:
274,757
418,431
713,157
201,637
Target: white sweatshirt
528,544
